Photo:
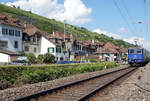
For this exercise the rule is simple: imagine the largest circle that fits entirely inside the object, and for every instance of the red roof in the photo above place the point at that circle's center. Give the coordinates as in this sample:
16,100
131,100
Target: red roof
9,20
30,29
109,48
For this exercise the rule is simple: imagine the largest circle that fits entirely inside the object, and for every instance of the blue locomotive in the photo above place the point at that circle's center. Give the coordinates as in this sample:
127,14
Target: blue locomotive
138,56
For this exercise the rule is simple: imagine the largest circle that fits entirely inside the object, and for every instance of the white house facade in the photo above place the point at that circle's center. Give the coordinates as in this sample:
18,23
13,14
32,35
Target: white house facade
46,46
10,38
4,58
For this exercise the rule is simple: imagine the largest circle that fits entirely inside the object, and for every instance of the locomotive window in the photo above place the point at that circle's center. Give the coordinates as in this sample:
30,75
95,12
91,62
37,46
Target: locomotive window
131,51
139,51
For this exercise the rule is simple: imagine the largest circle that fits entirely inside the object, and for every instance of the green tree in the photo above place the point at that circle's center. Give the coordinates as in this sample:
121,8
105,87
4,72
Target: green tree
22,53
49,58
31,58
40,58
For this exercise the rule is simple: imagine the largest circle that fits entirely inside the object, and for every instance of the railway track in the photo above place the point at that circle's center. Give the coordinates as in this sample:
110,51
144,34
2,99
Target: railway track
79,90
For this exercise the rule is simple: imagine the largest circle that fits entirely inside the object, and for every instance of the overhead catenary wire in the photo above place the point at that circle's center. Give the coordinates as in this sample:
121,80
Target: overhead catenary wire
129,15
124,18
145,15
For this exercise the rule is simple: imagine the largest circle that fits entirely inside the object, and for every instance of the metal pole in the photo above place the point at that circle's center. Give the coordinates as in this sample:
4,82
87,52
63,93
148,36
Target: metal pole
64,31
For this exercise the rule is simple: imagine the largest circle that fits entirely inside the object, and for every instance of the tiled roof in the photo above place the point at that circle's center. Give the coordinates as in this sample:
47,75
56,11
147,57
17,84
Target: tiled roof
109,48
30,29
8,20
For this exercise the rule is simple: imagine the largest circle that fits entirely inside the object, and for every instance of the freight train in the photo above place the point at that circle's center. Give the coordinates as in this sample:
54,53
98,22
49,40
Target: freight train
138,56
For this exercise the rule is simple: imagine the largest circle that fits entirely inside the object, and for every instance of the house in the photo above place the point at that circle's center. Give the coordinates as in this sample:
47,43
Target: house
109,52
7,56
31,37
39,42
10,34
10,38
77,49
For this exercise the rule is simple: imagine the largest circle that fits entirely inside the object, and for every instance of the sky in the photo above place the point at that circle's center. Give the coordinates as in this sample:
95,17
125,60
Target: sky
128,20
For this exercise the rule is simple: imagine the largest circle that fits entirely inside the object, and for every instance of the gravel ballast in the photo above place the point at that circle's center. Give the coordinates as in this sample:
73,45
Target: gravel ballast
13,93
134,88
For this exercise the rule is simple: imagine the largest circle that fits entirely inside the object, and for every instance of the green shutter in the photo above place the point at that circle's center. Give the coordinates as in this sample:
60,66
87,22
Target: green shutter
47,50
53,50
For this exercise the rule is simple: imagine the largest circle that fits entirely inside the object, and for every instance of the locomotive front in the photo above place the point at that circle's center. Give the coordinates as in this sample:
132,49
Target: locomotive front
136,56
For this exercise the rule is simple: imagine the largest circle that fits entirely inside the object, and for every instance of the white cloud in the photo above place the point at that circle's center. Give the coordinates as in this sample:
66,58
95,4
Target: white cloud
73,11
122,30
99,31
140,41
116,36
132,40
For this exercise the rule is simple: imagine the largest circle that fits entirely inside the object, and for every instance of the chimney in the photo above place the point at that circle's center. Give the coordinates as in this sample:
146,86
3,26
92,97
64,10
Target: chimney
53,33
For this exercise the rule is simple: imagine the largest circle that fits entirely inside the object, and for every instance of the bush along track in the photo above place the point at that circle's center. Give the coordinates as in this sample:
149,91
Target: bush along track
12,76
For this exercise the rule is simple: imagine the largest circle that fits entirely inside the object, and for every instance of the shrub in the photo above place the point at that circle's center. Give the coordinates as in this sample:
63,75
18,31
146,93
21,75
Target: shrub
94,60
22,53
19,75
40,59
31,58
49,58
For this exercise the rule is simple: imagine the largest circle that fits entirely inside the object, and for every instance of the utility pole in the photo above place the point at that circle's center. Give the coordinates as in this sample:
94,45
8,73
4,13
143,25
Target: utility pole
64,30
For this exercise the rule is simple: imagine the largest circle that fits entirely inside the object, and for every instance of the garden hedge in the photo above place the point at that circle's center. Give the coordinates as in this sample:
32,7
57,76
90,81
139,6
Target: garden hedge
12,76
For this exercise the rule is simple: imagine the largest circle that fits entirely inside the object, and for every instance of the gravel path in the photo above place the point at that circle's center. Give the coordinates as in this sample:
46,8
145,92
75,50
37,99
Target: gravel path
134,88
13,93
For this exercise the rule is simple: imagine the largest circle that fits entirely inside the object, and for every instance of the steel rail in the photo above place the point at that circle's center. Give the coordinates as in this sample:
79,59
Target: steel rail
100,88
42,93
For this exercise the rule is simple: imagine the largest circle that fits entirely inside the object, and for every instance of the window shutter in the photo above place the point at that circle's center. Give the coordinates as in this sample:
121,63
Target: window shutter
48,50
53,50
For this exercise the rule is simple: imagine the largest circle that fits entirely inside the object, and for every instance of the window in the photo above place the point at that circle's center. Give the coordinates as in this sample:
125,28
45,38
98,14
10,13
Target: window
34,39
34,49
11,32
50,50
131,51
4,31
56,40
17,33
139,51
16,44
58,50
26,48
4,44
